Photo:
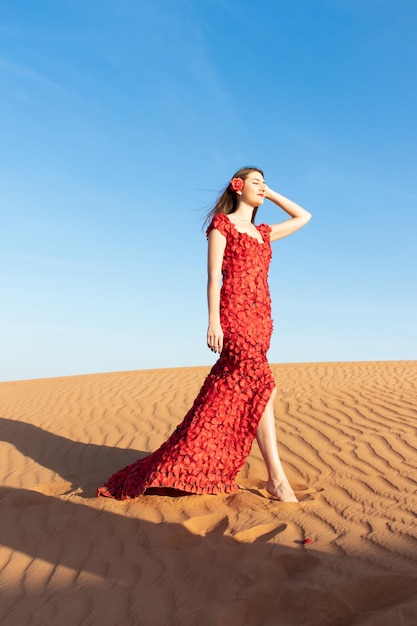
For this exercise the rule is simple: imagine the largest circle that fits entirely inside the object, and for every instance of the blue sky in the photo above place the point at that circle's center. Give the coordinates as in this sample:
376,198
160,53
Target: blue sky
121,120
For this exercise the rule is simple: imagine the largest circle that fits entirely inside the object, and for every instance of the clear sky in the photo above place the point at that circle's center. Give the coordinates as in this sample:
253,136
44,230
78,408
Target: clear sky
120,120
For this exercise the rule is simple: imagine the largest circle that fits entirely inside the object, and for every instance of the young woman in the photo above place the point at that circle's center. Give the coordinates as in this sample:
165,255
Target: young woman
235,403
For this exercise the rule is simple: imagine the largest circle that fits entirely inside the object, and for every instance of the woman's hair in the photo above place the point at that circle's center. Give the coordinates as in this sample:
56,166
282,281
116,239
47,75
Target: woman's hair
227,199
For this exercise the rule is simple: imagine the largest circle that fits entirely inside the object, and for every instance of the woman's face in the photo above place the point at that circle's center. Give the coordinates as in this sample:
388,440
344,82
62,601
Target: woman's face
253,193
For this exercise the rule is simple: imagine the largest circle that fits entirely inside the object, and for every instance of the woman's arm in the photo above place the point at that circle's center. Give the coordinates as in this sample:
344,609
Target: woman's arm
299,216
216,246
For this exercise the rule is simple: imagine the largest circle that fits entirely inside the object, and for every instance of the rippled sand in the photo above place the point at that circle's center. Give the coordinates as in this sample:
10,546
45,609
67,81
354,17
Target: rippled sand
347,435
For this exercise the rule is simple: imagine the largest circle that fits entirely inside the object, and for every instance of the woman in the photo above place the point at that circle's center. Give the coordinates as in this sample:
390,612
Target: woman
235,403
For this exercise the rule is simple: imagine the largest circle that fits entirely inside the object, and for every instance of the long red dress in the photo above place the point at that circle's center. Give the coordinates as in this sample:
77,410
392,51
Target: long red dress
208,448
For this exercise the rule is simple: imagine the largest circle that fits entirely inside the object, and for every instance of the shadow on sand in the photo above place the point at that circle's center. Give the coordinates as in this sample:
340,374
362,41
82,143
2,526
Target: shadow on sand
84,465
80,563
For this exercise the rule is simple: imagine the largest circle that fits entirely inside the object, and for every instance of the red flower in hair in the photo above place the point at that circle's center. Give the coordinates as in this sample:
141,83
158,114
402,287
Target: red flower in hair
237,184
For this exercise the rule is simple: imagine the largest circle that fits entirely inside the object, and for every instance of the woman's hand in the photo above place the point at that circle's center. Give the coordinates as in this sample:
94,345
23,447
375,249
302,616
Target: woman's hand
299,216
267,191
215,338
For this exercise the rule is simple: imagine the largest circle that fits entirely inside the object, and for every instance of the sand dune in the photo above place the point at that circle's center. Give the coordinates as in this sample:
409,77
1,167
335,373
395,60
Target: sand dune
347,436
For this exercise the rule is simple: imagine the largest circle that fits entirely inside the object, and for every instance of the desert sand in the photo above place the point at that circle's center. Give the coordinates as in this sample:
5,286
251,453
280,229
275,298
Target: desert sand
347,437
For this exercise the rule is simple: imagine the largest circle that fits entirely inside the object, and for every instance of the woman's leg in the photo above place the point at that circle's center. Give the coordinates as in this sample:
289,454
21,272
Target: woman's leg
277,484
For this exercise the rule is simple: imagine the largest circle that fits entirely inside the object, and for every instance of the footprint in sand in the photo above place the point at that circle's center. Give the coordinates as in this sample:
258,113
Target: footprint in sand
305,493
207,524
259,532
190,532
215,525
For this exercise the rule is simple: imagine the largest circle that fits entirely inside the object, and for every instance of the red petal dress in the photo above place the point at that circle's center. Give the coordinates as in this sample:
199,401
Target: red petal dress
208,448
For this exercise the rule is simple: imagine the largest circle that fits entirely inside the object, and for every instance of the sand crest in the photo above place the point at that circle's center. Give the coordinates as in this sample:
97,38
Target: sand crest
347,436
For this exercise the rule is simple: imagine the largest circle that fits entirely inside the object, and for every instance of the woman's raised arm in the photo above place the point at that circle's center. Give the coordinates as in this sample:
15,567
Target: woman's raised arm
299,216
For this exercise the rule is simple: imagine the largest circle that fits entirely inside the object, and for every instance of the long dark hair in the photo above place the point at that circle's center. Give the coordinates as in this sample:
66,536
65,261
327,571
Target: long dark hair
227,199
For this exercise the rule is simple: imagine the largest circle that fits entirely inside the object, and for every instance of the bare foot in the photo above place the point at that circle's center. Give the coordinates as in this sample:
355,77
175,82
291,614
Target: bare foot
281,491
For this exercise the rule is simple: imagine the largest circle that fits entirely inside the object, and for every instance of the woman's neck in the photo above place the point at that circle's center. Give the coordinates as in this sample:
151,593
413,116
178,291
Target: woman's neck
244,212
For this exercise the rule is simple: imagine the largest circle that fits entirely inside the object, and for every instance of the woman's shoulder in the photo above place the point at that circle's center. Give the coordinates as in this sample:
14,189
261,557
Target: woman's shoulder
265,231
221,223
